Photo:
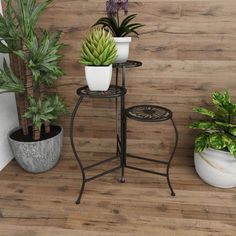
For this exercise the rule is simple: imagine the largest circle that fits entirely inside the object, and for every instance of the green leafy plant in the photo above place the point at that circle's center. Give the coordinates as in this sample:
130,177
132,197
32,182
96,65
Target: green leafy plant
19,22
34,64
219,130
42,56
122,29
44,110
98,49
112,21
8,80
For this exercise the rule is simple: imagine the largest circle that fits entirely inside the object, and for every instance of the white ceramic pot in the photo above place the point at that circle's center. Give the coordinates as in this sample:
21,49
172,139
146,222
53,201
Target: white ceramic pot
8,120
98,77
217,168
122,44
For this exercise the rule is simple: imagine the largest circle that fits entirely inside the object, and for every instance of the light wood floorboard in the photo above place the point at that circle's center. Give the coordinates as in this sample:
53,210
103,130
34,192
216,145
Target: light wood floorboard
44,204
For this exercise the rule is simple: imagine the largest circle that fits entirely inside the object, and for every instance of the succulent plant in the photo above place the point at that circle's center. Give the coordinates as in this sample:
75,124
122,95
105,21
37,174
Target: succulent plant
98,49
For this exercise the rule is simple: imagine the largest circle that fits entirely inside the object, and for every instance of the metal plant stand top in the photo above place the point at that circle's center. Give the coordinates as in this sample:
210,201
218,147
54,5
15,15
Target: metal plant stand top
145,113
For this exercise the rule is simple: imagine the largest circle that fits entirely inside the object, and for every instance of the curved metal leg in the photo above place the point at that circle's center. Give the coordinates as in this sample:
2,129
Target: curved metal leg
171,157
81,192
74,149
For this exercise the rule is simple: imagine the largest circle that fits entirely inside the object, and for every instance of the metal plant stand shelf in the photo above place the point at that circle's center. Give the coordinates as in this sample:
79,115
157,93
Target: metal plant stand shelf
144,113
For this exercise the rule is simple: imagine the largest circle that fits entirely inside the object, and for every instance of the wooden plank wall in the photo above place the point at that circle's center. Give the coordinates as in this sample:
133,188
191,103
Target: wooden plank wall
188,51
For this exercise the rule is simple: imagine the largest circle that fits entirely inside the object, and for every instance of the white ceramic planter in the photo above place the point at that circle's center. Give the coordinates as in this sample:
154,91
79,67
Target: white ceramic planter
8,120
122,44
217,168
98,77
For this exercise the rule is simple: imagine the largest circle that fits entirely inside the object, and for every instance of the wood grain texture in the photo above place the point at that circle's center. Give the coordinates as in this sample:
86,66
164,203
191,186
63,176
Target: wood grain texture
188,51
44,204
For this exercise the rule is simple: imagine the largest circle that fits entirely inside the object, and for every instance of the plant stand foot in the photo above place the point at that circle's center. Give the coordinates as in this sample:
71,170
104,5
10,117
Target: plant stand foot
170,187
122,180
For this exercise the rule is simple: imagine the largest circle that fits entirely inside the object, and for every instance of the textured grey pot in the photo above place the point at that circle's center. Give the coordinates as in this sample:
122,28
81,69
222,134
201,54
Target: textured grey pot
39,156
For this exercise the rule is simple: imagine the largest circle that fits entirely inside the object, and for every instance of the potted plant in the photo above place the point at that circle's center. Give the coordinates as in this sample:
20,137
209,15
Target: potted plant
37,144
120,29
98,53
215,145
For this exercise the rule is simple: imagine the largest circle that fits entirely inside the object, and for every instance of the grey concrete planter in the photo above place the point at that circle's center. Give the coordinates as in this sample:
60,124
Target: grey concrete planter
39,156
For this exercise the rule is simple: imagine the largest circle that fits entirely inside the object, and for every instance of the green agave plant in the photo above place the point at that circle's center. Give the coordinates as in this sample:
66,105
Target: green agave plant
219,130
98,49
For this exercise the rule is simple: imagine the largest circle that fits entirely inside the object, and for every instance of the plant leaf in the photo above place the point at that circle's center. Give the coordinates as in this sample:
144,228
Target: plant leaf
202,125
232,148
201,142
216,141
204,112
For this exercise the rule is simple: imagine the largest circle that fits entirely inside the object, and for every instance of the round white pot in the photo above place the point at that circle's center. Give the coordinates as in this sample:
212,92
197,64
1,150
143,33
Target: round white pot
122,44
217,168
98,77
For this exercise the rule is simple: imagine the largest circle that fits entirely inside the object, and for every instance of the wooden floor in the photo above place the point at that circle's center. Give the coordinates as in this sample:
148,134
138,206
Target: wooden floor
43,205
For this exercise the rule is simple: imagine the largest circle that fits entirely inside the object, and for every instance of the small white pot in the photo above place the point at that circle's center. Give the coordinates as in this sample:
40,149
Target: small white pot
217,168
122,44
98,77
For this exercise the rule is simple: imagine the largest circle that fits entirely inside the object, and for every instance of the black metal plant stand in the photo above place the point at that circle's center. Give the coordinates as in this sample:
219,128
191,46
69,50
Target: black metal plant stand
144,113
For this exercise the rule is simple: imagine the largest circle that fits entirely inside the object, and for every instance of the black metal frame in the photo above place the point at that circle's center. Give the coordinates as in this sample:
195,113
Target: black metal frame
168,163
113,92
121,138
116,91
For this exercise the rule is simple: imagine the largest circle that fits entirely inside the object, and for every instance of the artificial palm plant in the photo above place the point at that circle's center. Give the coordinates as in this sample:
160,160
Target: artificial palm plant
33,65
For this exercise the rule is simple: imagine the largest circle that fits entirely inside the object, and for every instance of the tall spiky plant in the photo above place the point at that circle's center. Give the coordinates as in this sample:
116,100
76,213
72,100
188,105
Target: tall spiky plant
98,49
34,63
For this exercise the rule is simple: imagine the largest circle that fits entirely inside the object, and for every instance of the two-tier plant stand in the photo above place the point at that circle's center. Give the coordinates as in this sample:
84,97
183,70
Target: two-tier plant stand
143,113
